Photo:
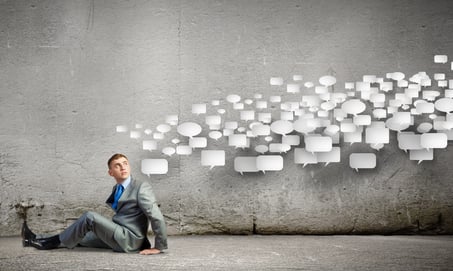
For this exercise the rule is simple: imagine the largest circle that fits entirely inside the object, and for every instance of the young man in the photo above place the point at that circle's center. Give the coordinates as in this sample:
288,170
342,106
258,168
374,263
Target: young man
135,207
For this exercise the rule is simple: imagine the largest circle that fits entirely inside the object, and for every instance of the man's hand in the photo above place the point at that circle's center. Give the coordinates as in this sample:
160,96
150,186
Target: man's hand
150,251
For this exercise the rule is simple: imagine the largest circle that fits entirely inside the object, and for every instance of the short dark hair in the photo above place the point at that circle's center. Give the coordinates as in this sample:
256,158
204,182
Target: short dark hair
115,157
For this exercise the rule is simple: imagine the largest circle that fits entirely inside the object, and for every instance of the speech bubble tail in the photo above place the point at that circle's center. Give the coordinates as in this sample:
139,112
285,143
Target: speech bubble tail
419,162
357,170
304,165
242,173
211,167
149,175
405,151
264,172
326,164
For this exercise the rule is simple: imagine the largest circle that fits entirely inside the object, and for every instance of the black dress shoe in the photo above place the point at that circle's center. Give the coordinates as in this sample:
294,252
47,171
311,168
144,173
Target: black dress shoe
45,243
27,235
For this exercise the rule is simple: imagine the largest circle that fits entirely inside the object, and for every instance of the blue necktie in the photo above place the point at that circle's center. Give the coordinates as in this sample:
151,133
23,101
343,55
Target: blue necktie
119,191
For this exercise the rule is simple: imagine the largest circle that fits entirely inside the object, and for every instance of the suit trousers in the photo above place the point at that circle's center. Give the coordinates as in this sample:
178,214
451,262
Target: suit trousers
91,230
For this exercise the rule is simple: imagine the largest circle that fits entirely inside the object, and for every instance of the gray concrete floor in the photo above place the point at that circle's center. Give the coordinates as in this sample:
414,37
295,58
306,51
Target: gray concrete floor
257,252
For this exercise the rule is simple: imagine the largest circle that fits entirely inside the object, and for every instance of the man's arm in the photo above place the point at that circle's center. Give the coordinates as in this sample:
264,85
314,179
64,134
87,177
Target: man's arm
147,202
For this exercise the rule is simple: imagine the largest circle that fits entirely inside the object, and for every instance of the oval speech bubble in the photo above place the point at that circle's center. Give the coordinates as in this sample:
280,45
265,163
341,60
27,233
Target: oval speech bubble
189,129
282,127
327,80
168,151
163,128
444,105
233,98
354,106
261,149
215,135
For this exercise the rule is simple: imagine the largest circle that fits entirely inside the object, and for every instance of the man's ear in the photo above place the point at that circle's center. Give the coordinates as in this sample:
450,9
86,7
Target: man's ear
110,173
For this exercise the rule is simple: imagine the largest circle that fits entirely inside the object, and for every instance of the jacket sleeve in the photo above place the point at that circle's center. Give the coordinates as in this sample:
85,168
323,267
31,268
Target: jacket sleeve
147,202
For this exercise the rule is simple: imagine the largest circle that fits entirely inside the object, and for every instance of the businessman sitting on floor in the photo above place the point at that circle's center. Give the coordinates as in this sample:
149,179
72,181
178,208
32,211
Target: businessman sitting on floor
135,207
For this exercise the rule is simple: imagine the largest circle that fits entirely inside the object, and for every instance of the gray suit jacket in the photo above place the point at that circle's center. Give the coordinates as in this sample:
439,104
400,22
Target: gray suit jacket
136,208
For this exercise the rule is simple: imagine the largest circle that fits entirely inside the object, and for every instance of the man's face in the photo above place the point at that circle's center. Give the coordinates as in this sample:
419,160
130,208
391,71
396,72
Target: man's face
120,169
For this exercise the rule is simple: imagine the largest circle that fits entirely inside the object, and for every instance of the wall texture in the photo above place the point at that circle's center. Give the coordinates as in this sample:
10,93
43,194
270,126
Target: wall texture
70,71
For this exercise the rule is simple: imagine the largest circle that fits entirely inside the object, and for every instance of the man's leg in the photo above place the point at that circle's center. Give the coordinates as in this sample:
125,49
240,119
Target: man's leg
100,226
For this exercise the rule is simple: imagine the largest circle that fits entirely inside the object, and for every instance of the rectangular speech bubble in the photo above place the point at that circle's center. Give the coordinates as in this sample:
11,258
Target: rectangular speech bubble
154,166
318,143
198,142
301,156
245,164
434,140
333,156
421,155
377,135
362,160
409,142
213,158
269,163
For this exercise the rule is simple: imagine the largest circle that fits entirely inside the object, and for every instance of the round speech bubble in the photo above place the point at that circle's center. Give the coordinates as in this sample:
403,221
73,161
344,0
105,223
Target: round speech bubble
354,106
304,126
168,151
424,127
215,135
327,80
261,149
189,129
268,138
282,127
327,106
233,98
163,128
221,111
309,84
444,105
175,141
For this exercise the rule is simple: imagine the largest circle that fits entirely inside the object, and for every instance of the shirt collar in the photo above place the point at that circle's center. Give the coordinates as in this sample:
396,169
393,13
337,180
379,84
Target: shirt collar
126,182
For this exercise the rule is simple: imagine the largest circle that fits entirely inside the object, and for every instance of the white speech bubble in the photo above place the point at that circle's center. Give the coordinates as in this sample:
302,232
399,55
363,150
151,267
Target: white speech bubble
245,164
353,107
377,98
293,88
284,115
268,138
318,143
265,117
198,109
238,106
309,84
248,101
375,135
215,102
168,151
292,140
434,140
409,142
279,147
424,127
247,115
439,76
189,129
353,137
276,81
396,125
221,111
386,86
154,166
369,78
327,106
232,125
327,80
297,77
121,129
362,161
163,128
148,131
421,155
261,104
301,156
262,149
275,99
215,135
135,134
441,59
198,142
227,132
213,158
444,105
282,127
347,127
362,120
311,100
237,140
379,113
261,130
333,156
424,108
233,98
304,126
183,150
175,141
172,119
213,120
332,130
442,83
138,126
320,90
158,136
430,95
149,145
269,163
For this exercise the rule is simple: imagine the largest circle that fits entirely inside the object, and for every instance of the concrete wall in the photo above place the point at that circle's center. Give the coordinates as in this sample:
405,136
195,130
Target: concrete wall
70,71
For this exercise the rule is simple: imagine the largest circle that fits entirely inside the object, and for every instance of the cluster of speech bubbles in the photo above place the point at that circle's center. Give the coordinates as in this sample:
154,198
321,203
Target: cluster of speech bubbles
361,112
